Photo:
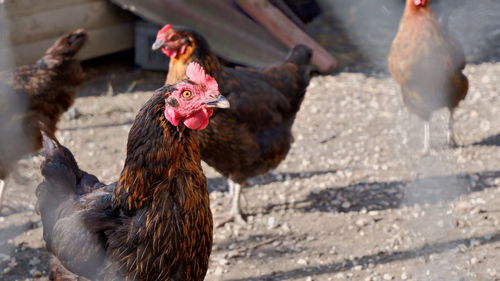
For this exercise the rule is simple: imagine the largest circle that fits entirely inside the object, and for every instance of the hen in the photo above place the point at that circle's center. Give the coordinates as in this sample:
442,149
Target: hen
427,63
155,222
254,136
35,96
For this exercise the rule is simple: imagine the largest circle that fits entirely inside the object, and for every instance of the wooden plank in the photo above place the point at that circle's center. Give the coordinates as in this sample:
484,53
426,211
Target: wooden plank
15,8
6,56
52,23
229,32
102,41
288,33
108,40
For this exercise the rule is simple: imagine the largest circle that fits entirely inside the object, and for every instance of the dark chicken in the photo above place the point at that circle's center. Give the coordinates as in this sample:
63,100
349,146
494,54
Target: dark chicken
427,63
254,136
155,222
35,96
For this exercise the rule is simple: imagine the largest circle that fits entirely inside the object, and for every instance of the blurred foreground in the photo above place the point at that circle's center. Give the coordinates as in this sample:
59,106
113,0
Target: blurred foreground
353,200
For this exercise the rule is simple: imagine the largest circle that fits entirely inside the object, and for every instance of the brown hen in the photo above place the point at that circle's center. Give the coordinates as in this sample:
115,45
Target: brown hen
427,63
155,222
34,97
254,135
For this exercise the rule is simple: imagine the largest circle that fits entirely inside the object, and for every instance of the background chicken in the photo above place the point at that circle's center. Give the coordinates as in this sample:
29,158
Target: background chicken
254,136
155,222
35,96
427,63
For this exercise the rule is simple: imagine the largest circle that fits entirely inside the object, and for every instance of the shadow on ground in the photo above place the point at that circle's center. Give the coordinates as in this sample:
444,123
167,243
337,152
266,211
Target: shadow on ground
379,258
220,183
386,195
489,141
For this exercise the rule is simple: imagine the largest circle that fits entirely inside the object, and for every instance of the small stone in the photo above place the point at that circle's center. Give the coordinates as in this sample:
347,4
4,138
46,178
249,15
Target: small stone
34,261
387,276
333,250
361,222
285,227
474,243
4,257
340,276
35,273
223,262
302,261
272,222
492,271
218,271
404,276
72,113
12,262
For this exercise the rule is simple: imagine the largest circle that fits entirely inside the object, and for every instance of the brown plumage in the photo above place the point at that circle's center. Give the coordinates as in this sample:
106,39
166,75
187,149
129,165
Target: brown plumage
34,97
427,63
153,224
254,135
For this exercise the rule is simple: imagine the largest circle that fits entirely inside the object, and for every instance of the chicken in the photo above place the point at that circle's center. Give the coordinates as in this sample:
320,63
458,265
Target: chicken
254,135
427,63
155,222
35,96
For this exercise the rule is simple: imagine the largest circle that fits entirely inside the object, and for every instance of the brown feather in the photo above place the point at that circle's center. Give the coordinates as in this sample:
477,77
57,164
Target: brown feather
427,63
154,224
254,135
43,92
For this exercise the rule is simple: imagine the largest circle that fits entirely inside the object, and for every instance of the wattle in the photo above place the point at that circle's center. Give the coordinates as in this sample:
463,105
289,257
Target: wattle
198,120
169,53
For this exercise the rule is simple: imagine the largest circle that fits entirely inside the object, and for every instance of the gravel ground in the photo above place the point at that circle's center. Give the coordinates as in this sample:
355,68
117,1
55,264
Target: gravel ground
354,200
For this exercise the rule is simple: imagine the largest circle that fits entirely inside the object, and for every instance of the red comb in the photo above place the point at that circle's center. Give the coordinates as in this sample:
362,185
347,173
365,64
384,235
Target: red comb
165,28
197,74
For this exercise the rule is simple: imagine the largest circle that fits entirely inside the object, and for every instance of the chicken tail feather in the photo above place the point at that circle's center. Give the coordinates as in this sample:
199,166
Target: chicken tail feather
300,55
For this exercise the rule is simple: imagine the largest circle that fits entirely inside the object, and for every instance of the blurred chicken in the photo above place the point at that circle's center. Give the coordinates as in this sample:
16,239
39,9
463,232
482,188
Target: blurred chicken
155,222
35,96
427,63
254,136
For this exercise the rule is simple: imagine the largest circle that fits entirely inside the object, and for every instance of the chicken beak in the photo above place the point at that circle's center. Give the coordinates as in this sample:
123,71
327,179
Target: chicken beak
157,45
220,102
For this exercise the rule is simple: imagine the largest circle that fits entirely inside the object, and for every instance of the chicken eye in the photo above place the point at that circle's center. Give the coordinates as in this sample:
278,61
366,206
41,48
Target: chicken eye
187,94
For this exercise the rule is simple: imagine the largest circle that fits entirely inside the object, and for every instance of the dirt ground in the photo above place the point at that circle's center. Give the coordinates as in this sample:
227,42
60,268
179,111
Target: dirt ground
354,199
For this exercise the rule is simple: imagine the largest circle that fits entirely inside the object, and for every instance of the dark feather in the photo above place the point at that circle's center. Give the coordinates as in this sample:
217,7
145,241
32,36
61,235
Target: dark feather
153,224
34,97
254,135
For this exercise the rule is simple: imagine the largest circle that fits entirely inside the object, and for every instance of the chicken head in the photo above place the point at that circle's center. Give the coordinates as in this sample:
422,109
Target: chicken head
69,44
192,101
171,43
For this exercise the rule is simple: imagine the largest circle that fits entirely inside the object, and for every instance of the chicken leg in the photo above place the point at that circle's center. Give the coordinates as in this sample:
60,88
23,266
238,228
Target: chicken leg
451,136
235,212
2,190
427,138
